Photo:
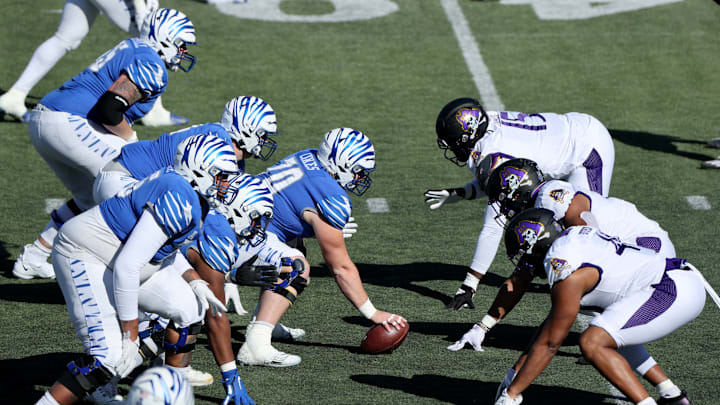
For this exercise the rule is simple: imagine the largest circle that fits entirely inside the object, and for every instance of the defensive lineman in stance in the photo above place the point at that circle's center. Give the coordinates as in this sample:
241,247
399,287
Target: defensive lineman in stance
642,297
77,18
573,146
118,258
81,126
311,200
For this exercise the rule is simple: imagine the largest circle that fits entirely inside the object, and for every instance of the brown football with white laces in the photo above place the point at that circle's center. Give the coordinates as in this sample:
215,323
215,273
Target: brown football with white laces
378,340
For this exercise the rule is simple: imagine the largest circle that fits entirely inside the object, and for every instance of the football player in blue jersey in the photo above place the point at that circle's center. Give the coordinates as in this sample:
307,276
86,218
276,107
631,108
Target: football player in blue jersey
118,258
82,125
311,200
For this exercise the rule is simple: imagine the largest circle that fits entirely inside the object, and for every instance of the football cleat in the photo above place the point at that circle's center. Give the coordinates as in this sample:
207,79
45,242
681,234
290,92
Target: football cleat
267,356
711,164
13,103
160,117
26,270
283,333
197,378
681,399
714,143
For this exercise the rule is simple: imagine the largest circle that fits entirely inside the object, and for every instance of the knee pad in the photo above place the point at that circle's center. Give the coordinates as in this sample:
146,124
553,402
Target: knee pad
84,374
290,289
66,212
182,346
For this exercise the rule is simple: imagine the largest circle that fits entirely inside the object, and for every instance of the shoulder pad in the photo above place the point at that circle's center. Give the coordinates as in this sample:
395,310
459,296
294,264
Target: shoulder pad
149,76
336,210
173,212
218,251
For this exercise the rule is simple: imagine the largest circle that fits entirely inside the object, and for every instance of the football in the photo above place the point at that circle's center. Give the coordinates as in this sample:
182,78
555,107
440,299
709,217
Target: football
377,340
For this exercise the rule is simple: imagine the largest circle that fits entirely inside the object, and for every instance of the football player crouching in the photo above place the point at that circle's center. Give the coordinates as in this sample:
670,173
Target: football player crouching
641,296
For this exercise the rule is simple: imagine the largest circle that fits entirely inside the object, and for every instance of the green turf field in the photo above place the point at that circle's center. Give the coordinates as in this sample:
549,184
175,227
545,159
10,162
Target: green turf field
649,75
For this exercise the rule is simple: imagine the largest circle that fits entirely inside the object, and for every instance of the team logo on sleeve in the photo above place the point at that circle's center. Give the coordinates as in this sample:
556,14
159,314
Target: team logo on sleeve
558,265
511,178
470,119
528,233
558,195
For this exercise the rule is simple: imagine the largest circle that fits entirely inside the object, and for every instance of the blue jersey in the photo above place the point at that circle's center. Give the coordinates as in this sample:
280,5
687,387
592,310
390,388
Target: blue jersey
143,66
177,208
300,183
144,158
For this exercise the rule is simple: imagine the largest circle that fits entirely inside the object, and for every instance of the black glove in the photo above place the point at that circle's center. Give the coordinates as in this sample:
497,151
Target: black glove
463,298
249,274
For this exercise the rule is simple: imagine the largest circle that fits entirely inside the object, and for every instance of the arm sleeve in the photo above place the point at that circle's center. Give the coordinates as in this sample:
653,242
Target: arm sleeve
180,264
487,243
141,245
472,190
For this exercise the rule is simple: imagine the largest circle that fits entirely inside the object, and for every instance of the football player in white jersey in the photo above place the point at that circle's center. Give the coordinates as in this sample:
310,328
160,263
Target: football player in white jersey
81,126
641,296
75,22
572,146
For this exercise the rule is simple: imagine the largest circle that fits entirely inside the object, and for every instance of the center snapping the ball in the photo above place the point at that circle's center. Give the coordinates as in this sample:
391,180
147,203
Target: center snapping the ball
378,340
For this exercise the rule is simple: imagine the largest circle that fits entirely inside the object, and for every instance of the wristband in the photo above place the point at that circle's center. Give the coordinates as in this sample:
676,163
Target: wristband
367,309
471,281
229,366
487,322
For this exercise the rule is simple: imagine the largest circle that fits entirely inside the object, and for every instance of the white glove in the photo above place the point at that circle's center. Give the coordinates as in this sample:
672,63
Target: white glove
206,298
474,336
436,198
350,228
232,295
128,357
509,377
506,400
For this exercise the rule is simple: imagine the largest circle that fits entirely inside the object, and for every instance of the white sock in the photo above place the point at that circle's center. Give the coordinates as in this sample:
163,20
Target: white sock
259,334
181,370
47,399
42,60
647,401
35,253
668,389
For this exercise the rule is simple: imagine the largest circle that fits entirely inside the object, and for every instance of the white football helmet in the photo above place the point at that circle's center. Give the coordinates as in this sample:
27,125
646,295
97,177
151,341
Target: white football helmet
170,32
206,162
160,386
251,123
248,207
349,156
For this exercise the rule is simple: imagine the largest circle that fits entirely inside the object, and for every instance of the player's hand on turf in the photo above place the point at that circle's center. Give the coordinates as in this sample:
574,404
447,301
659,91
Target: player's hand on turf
475,336
252,275
506,400
507,380
233,296
236,392
463,298
206,298
129,356
436,198
389,320
351,227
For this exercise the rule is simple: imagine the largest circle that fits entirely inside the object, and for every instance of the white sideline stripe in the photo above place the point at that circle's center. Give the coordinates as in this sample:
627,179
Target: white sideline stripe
471,53
698,202
53,204
584,321
53,11
377,205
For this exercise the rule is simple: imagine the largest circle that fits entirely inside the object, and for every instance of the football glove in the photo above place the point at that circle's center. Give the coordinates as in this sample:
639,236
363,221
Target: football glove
233,296
474,336
509,377
506,400
350,228
236,392
250,274
463,298
436,198
206,298
129,356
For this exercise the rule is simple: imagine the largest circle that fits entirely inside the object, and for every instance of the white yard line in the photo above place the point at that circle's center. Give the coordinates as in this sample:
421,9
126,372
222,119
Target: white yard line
471,53
377,205
698,202
53,204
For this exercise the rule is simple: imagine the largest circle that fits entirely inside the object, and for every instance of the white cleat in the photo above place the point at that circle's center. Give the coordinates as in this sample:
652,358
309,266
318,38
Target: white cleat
13,103
711,164
267,356
283,333
158,116
106,395
197,378
25,270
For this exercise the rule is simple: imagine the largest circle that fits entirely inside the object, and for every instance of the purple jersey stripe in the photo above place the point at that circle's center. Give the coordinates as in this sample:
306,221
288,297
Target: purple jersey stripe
593,164
659,302
649,242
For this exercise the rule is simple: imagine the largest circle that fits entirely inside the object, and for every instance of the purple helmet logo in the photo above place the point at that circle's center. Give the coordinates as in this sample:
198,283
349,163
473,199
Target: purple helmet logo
511,178
558,265
528,233
558,195
470,119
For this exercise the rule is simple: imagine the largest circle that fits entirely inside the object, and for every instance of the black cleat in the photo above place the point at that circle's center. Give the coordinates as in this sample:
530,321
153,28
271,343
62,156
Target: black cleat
681,399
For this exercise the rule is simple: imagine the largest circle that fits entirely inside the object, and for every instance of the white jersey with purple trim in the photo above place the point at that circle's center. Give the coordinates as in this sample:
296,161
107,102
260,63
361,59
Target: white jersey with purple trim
614,216
624,268
556,142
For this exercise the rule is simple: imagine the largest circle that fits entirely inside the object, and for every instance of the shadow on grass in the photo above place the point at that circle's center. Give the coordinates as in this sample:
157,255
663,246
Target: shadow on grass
6,264
34,292
464,391
659,143
238,337
18,377
405,275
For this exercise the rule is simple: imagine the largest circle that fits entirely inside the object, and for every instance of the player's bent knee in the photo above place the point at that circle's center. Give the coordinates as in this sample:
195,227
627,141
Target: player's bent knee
291,290
84,374
186,338
69,44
